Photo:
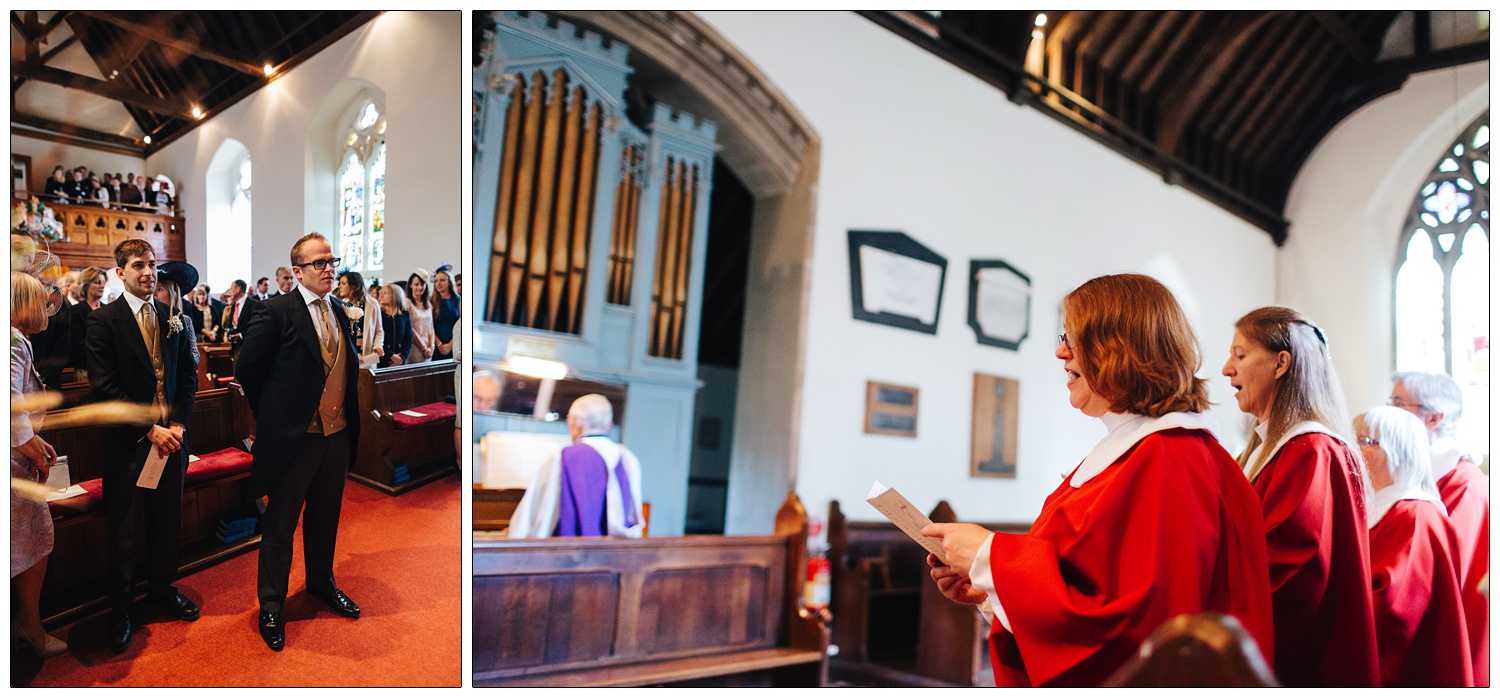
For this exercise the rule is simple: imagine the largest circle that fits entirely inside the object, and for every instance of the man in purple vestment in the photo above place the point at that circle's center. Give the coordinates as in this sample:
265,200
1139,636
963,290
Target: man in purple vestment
591,488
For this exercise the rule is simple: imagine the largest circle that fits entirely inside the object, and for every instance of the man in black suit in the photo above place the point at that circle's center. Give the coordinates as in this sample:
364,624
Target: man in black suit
263,288
135,356
237,313
299,369
284,281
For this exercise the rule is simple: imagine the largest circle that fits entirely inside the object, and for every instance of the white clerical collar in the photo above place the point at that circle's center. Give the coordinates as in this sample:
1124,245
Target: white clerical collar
308,296
1255,464
135,302
1386,497
1127,429
1445,455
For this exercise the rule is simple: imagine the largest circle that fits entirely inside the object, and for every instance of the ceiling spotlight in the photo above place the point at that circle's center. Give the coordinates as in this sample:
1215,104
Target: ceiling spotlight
114,73
1041,20
147,140
270,70
197,113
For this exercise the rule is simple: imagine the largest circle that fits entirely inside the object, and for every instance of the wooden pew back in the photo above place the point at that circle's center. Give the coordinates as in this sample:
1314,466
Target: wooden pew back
1196,650
218,422
598,611
397,388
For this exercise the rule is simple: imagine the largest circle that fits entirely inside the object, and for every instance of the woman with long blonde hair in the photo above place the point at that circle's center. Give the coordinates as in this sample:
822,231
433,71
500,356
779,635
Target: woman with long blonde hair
1313,490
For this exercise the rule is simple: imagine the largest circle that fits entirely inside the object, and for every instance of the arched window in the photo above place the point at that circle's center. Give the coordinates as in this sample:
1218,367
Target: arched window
1442,276
361,188
227,213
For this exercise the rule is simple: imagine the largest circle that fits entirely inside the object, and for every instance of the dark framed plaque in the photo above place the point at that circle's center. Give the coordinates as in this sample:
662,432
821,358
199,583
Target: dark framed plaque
999,303
890,409
895,280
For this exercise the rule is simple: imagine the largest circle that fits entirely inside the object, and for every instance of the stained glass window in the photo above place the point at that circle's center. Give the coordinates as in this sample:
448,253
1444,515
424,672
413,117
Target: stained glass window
1442,278
362,190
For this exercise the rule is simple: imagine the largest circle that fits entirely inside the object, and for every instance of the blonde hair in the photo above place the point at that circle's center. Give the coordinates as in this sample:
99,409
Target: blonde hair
28,303
86,278
392,300
1309,390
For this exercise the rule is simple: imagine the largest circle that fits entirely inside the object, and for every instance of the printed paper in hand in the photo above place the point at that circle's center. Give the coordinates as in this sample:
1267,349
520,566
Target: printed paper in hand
908,518
151,472
57,478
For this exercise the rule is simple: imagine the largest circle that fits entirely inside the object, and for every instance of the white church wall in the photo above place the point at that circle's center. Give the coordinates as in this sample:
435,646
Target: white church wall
914,144
1347,208
415,59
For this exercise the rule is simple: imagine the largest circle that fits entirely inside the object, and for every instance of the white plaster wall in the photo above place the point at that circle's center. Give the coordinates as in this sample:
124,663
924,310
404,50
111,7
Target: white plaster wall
1347,208
911,143
47,154
416,59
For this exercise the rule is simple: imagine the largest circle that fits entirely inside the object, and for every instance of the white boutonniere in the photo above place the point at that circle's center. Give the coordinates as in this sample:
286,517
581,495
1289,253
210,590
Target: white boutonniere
174,325
353,312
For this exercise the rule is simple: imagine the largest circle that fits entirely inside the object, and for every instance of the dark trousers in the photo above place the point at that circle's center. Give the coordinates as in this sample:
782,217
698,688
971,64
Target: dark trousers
315,477
123,506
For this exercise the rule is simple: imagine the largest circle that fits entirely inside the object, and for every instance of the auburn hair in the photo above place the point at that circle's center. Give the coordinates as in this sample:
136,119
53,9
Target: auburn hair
1138,350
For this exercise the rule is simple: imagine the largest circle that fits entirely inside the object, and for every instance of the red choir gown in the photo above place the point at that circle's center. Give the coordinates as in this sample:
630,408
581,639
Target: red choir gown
1313,503
1170,527
1419,610
1465,493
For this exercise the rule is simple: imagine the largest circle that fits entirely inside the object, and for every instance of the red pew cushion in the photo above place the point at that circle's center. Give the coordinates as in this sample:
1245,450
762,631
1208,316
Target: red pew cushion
432,412
216,465
90,500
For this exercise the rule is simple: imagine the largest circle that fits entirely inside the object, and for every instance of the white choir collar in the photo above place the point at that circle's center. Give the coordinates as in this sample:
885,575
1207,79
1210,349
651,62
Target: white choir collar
1445,456
1386,497
1252,468
1127,429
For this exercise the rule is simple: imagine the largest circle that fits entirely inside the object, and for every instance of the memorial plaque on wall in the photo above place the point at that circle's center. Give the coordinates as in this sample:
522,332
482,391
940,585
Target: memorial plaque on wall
999,303
997,407
890,409
895,280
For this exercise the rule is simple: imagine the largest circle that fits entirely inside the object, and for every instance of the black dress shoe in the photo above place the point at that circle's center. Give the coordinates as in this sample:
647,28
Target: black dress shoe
272,631
119,631
178,607
338,602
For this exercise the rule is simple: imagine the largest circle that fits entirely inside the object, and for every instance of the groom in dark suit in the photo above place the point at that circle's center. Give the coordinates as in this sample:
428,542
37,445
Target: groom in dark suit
299,370
134,355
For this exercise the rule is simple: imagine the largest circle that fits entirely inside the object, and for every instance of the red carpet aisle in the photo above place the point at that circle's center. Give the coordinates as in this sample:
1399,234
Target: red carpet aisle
399,558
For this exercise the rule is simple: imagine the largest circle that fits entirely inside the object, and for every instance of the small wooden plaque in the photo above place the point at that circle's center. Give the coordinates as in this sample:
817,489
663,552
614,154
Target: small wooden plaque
997,406
890,409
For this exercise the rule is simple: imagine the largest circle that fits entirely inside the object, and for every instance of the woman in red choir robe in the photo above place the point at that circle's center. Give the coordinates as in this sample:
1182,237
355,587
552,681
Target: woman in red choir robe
1312,489
1414,558
1437,400
1156,522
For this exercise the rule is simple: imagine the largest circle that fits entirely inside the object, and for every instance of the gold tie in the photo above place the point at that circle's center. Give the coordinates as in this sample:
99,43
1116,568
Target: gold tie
148,328
330,335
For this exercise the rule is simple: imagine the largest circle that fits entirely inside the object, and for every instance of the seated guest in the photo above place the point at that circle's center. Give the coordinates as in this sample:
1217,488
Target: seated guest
369,335
130,194
395,326
592,488
31,459
1414,558
57,183
445,312
1156,522
145,191
90,298
423,336
1313,491
1437,400
77,189
101,192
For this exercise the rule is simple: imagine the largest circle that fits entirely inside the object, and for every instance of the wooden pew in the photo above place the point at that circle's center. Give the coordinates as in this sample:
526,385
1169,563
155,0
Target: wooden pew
397,452
676,610
76,584
891,625
1197,650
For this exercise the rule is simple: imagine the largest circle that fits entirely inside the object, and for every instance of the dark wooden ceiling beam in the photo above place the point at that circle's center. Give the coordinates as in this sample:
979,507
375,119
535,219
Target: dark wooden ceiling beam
31,35
1309,88
54,22
1312,60
59,48
1341,33
1186,45
19,24
78,133
112,89
1150,50
1294,43
1125,42
161,33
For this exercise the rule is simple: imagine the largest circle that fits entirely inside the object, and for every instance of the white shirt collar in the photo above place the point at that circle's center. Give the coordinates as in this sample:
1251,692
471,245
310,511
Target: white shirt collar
135,303
1254,465
1127,429
308,296
1445,455
1386,497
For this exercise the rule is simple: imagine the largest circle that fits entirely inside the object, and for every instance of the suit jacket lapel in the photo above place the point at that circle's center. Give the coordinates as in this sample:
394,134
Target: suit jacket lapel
302,320
126,325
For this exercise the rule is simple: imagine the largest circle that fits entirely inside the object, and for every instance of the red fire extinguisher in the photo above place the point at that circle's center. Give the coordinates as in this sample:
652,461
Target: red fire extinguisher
817,589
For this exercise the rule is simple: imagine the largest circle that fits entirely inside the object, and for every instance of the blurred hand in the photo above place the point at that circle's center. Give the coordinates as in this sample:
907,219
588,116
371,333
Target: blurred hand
953,583
167,441
961,542
40,453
